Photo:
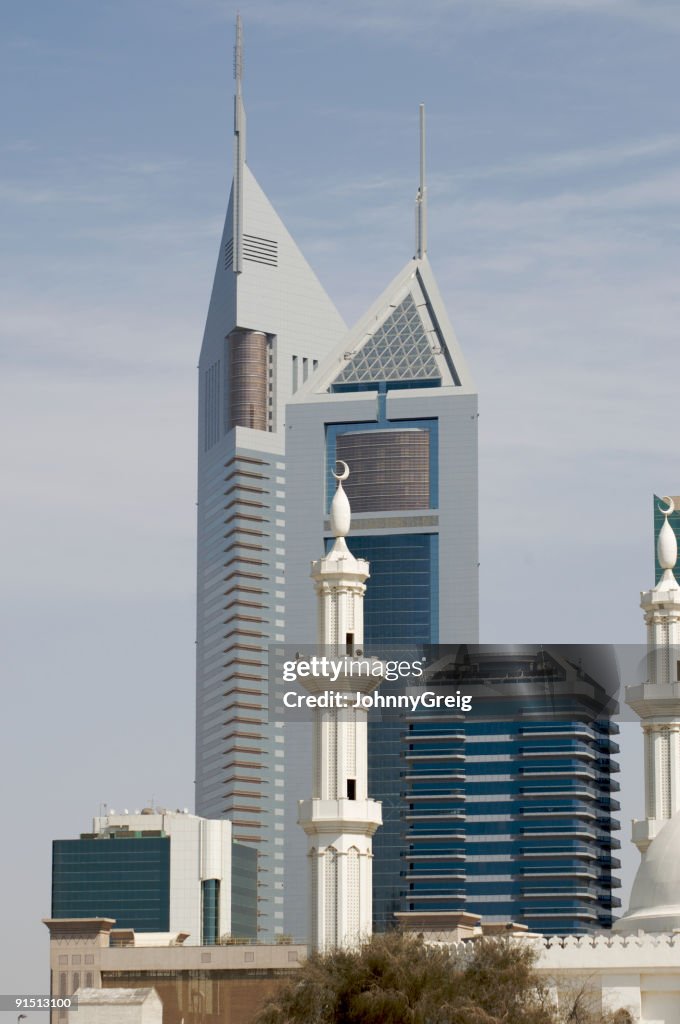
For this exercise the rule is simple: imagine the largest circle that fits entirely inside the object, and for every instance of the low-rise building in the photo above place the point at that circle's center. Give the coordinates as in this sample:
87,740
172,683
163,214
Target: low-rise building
159,871
196,984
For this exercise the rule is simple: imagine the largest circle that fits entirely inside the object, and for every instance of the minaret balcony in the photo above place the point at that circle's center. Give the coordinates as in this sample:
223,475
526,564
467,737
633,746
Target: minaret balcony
655,600
652,700
645,830
332,816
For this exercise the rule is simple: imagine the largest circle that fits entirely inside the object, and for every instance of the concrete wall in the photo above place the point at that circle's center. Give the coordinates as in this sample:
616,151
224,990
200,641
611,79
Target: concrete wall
118,1006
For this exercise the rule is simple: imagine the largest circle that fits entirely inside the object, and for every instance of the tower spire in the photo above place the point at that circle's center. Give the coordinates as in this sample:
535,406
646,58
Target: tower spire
421,195
239,150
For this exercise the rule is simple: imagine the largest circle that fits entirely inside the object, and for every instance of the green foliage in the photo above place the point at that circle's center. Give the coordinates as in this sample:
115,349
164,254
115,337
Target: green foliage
396,978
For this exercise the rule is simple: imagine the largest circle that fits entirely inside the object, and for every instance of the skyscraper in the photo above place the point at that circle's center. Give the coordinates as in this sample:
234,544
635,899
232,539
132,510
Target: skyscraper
269,324
395,400
508,813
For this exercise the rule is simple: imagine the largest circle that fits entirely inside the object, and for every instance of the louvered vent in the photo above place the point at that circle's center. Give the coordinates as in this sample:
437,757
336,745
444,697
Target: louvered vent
260,250
257,250
228,254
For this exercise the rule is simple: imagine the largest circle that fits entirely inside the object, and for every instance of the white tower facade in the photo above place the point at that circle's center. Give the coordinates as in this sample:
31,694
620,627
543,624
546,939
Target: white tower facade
657,701
269,324
340,819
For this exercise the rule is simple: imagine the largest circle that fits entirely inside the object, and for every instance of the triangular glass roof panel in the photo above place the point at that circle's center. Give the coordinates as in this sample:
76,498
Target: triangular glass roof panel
398,350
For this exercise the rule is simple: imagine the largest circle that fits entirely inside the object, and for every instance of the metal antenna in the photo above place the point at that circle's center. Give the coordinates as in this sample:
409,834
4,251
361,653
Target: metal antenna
239,151
421,196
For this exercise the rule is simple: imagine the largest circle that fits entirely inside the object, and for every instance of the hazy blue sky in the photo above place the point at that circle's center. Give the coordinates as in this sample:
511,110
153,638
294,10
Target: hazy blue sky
554,176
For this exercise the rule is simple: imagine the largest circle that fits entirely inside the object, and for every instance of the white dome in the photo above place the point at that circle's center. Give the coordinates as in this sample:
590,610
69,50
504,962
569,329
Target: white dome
655,896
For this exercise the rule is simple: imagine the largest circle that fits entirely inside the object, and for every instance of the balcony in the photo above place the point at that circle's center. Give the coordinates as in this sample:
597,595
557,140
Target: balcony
562,811
427,737
563,850
415,837
435,856
436,777
432,816
559,750
557,830
409,755
574,892
569,872
432,877
453,794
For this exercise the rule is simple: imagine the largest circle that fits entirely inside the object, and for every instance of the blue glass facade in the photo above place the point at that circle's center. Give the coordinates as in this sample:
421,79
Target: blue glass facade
513,819
124,878
210,911
402,593
243,892
400,609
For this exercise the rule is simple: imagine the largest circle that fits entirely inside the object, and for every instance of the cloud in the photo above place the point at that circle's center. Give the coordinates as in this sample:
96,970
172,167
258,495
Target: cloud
583,159
422,24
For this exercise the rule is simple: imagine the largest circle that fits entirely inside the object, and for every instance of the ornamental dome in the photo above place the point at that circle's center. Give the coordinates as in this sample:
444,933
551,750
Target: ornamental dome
655,897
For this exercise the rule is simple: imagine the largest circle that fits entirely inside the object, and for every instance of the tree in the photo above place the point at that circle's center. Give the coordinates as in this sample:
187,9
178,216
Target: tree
395,978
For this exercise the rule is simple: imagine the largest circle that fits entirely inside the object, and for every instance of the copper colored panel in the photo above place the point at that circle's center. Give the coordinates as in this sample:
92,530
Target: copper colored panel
248,379
389,469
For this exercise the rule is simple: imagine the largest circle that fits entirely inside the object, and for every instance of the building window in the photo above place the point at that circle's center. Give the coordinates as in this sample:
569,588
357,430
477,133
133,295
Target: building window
211,405
210,911
390,469
127,880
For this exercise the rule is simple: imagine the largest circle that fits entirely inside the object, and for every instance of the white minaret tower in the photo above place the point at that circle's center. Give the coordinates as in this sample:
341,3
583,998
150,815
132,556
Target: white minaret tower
657,701
340,819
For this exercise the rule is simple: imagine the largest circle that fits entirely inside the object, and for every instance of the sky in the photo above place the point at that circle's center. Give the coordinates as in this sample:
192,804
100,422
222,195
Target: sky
554,193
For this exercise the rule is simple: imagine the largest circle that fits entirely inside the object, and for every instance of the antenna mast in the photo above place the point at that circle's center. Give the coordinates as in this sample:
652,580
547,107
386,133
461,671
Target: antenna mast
239,151
421,196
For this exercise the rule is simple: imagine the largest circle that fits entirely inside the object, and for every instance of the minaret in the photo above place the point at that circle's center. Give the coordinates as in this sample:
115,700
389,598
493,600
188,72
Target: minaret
657,701
340,819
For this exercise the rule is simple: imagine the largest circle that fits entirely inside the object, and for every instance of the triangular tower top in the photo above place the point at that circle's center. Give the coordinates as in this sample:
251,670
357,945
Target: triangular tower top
404,340
264,284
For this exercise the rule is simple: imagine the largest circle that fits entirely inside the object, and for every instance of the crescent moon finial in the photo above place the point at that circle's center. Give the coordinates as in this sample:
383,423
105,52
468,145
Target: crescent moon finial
345,473
666,511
